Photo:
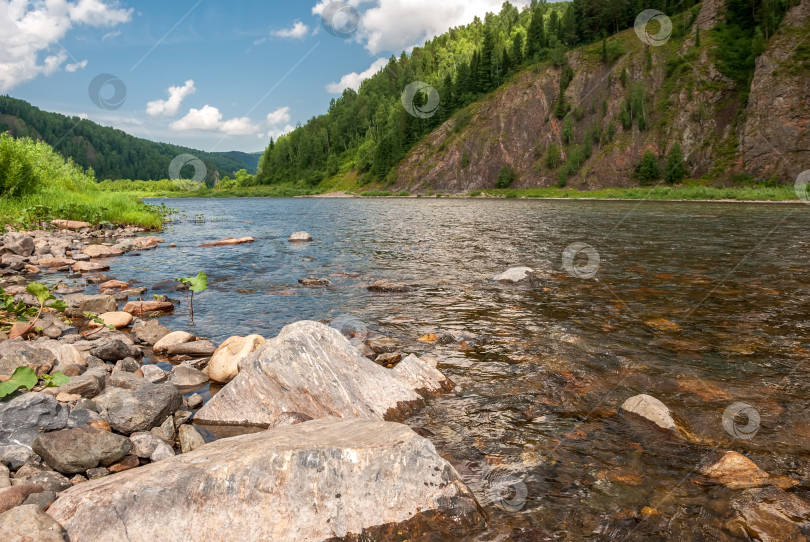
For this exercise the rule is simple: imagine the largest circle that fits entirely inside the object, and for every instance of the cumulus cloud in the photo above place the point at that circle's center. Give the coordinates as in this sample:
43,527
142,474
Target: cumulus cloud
170,107
279,116
70,68
353,80
397,25
279,123
298,31
209,119
30,33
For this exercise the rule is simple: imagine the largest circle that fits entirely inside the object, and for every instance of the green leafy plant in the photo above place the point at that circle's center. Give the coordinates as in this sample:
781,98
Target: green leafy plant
43,295
198,285
23,377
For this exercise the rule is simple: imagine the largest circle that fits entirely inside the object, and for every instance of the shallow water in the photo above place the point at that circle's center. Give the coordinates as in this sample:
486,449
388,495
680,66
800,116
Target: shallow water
702,305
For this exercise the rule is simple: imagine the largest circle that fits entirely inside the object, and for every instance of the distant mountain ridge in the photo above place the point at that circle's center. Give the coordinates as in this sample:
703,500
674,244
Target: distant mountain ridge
112,153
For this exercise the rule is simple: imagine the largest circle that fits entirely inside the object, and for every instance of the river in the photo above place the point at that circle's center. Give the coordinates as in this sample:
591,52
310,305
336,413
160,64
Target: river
703,305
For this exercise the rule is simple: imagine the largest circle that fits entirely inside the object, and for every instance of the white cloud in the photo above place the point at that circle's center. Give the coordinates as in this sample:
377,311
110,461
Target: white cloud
298,31
276,133
70,68
209,119
353,80
30,33
238,127
110,35
397,25
170,107
279,116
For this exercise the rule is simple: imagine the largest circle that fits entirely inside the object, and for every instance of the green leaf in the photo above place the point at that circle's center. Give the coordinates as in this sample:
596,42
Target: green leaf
195,284
39,291
23,377
59,305
55,380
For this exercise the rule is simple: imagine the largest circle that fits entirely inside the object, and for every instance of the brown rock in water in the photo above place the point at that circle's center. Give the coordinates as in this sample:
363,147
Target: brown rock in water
89,267
147,243
228,242
736,471
171,339
142,307
312,369
662,324
384,286
341,478
389,358
114,285
102,251
51,262
770,515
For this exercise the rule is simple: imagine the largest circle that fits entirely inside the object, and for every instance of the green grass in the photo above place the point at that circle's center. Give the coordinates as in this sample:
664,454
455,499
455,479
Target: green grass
38,185
697,192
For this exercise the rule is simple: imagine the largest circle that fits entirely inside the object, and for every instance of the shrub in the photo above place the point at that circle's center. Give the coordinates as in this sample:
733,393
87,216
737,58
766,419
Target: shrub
648,171
553,158
506,176
465,160
676,168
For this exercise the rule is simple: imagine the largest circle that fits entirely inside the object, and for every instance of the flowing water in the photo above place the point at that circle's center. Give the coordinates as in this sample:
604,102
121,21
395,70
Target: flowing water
702,305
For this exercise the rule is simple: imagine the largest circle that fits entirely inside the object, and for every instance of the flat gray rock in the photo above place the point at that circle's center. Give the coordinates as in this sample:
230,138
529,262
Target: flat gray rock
22,419
73,451
139,409
312,369
312,481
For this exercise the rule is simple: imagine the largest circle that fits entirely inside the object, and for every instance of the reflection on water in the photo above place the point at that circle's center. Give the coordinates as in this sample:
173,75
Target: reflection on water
700,305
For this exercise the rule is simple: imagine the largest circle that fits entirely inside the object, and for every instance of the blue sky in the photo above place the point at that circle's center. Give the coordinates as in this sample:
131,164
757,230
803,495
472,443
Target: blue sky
208,74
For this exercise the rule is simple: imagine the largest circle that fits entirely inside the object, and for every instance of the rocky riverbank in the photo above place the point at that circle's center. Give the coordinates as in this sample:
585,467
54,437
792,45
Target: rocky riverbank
114,453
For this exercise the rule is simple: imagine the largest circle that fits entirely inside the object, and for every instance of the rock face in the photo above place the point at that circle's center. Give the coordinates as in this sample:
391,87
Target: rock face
312,481
224,365
310,368
73,451
651,408
29,524
775,140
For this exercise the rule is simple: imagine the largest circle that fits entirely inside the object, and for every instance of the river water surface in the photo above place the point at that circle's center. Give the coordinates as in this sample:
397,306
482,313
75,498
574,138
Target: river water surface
702,305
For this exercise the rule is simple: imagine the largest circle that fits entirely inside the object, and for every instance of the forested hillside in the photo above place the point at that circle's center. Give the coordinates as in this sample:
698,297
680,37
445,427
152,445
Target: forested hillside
483,72
111,153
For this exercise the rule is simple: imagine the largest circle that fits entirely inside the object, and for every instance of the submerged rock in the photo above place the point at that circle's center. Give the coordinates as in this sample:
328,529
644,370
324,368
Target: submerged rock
385,286
228,242
312,481
736,471
312,369
651,408
771,515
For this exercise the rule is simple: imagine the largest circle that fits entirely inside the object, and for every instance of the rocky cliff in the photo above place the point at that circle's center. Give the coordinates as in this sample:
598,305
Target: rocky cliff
686,99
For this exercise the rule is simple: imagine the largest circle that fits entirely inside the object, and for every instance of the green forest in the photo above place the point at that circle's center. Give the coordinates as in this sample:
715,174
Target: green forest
368,132
111,153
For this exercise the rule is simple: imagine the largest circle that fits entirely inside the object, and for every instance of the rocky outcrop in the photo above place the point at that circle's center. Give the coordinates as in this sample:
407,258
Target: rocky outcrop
775,137
310,368
312,481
